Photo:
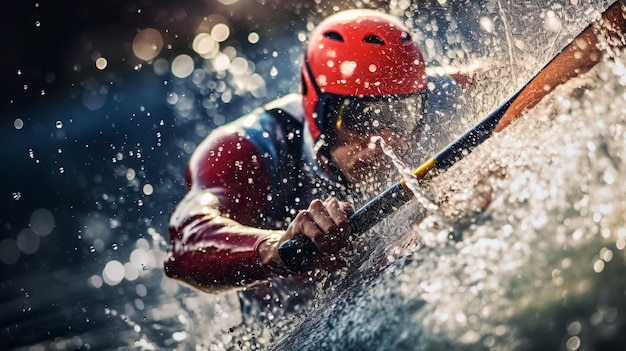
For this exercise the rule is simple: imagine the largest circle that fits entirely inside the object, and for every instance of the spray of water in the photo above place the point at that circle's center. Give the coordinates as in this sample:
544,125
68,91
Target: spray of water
539,267
405,173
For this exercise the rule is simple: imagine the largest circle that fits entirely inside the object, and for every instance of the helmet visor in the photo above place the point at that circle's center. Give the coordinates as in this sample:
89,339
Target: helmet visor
401,113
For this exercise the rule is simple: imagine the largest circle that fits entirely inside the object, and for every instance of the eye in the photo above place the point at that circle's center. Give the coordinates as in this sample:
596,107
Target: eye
374,39
333,36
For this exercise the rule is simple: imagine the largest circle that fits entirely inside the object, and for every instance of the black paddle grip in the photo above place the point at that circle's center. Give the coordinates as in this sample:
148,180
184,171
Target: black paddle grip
300,253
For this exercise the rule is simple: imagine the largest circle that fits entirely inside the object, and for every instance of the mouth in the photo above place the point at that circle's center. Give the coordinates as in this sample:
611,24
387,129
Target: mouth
370,165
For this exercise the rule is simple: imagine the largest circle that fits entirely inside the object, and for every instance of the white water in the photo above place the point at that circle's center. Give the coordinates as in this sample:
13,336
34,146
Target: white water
541,267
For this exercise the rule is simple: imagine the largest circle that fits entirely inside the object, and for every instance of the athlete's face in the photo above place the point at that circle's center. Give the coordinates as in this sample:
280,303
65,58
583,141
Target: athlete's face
360,156
360,125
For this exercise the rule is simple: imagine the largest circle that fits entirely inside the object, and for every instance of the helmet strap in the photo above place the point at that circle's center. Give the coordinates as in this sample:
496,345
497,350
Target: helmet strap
319,123
322,152
309,71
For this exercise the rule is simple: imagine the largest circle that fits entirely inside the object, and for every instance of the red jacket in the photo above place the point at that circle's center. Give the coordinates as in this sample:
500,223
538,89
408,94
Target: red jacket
243,176
248,178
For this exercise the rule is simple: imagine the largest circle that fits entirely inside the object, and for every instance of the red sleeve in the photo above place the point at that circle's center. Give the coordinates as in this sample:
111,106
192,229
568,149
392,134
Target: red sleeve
233,169
213,242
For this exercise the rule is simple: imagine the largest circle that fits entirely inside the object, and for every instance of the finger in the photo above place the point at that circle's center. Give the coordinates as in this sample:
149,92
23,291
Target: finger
323,216
304,223
317,224
340,210
342,225
334,248
337,229
335,211
347,208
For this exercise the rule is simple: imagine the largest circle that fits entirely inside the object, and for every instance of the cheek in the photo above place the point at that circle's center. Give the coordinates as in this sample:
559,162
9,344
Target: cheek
349,144
345,153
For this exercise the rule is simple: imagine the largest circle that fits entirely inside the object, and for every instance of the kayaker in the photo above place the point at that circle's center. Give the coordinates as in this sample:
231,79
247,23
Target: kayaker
299,164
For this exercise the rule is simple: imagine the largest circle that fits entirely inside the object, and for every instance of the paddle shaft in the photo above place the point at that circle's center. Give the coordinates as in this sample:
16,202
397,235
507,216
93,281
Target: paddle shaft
300,253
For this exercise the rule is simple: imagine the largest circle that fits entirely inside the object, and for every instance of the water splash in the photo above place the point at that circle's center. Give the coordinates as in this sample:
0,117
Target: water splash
407,176
540,210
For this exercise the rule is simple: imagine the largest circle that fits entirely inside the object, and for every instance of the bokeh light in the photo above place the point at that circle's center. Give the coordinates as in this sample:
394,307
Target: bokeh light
204,44
161,67
148,189
147,44
253,38
182,66
18,123
42,222
113,272
28,241
101,63
220,32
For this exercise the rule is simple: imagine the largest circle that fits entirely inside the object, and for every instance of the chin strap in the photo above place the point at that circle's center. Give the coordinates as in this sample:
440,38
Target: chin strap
322,153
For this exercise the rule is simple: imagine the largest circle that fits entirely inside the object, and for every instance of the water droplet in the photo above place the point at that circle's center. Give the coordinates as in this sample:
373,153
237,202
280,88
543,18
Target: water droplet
574,328
573,343
92,248
598,266
172,98
115,247
59,124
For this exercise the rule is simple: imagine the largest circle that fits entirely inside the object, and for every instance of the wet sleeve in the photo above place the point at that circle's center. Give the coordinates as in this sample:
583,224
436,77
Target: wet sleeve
213,241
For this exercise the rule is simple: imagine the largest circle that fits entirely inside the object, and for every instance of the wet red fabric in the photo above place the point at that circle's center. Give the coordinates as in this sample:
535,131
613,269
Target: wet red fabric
211,246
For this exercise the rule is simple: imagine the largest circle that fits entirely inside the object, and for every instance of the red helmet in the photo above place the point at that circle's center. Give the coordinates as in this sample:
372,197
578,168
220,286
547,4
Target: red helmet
358,54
